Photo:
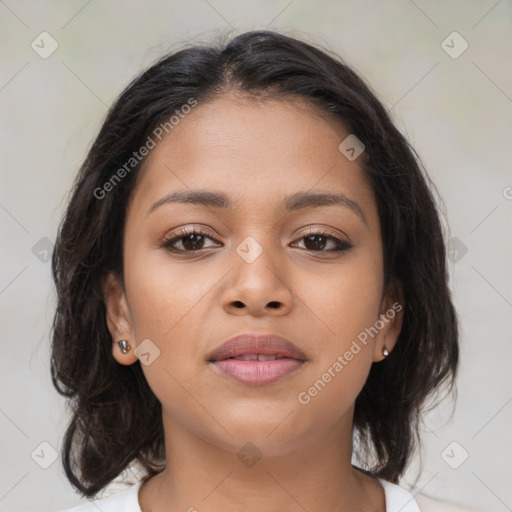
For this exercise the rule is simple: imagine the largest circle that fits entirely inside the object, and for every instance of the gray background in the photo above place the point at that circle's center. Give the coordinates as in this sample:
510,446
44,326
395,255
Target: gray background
455,111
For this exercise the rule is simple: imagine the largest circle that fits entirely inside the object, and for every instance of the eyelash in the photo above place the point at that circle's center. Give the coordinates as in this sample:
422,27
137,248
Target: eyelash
182,233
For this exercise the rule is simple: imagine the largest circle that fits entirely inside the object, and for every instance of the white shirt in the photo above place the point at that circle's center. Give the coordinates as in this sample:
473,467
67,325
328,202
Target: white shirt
397,500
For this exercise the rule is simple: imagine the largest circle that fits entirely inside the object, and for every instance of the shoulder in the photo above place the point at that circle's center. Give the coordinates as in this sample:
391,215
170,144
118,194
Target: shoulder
124,501
399,499
428,504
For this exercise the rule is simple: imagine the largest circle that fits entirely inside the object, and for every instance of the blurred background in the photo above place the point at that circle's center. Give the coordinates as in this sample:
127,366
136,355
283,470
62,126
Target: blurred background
441,69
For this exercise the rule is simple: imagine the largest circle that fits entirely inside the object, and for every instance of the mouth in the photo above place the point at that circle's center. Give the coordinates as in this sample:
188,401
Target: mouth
257,359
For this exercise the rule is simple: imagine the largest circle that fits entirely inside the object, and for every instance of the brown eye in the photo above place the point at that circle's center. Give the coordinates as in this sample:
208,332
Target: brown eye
190,241
317,242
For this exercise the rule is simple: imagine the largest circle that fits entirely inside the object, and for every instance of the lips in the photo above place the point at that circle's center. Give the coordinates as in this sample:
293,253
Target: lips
260,345
257,359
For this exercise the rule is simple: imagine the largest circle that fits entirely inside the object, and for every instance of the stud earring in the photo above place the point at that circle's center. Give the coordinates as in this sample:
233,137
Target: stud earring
385,352
123,344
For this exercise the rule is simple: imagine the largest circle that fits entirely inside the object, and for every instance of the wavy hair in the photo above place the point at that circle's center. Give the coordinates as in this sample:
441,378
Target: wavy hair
107,431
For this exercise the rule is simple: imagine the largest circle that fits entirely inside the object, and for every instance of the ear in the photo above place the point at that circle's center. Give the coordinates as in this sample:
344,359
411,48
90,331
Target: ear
119,319
390,320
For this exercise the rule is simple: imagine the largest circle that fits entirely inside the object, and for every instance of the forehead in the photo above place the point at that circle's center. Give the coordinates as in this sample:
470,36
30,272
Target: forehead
253,149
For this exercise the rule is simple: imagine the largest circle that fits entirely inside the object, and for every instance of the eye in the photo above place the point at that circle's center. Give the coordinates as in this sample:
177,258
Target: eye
191,239
316,241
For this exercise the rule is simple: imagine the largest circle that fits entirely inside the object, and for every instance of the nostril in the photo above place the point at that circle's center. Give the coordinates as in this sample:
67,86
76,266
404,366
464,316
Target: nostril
273,304
238,304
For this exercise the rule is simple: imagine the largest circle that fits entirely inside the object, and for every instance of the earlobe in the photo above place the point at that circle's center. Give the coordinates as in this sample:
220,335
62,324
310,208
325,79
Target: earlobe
118,320
123,352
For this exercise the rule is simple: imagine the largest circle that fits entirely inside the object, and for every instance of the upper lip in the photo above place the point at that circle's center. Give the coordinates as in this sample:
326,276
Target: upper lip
266,344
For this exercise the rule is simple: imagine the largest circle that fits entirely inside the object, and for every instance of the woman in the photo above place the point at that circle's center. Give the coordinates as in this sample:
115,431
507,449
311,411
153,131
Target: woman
252,290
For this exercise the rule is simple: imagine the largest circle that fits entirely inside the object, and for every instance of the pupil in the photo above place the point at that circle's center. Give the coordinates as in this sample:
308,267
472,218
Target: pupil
318,241
191,240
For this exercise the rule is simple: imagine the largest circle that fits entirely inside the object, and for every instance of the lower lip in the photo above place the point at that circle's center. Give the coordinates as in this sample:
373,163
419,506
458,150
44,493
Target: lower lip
258,373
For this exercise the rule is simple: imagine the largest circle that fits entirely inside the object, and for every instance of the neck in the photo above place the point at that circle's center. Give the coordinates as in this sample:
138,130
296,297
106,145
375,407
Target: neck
295,476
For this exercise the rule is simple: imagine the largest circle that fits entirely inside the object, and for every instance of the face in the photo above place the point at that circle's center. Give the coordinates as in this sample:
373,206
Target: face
309,271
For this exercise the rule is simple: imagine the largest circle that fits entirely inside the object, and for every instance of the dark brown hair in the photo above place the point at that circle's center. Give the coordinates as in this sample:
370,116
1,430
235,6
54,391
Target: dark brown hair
116,418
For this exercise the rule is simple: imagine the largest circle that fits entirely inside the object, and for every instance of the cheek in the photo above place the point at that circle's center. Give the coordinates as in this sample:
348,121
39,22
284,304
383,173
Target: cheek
346,300
346,307
343,357
329,396
167,304
162,299
163,294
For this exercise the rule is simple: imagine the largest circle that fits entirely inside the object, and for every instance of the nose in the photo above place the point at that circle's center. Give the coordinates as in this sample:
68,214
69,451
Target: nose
258,287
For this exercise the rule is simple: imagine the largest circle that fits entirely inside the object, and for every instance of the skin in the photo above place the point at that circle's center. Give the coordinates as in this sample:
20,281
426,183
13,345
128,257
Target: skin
257,152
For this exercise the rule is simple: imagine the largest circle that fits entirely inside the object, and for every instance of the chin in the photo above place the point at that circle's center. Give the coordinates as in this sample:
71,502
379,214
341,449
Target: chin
273,436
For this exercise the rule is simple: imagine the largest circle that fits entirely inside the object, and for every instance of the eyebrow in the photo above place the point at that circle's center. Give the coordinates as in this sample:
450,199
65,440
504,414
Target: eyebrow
297,201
